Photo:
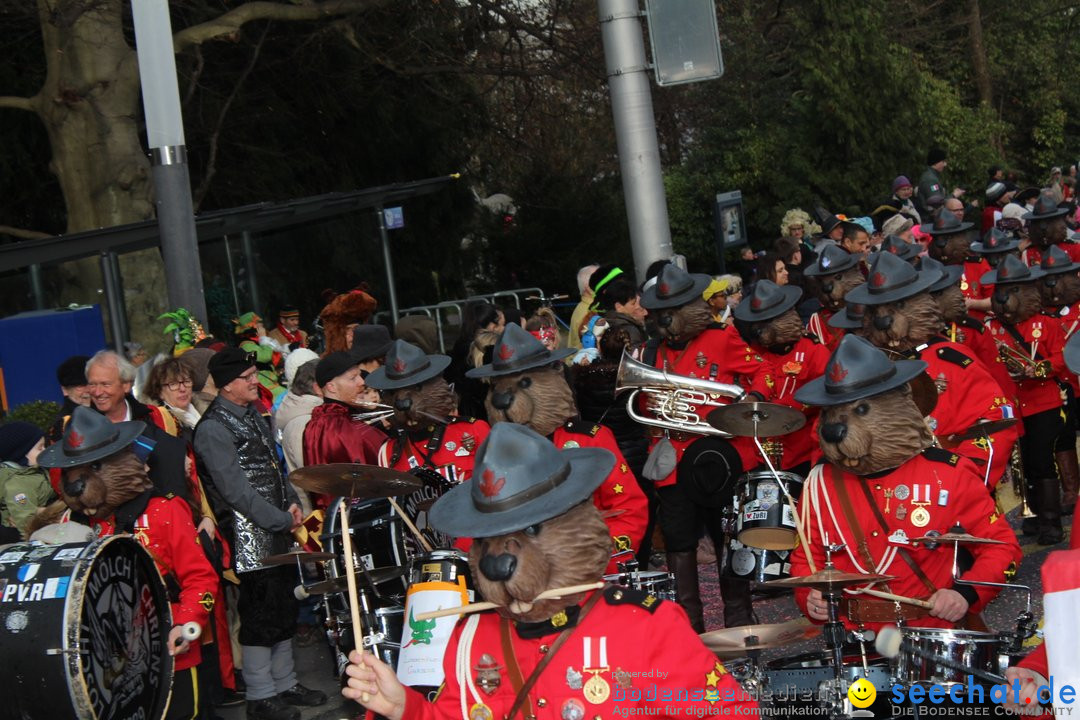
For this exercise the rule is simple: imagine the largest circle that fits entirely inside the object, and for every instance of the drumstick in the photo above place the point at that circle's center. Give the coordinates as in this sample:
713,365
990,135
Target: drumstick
350,579
898,598
415,531
799,529
552,594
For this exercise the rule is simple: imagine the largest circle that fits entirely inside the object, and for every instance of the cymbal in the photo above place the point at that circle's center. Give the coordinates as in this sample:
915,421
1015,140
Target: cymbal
297,555
736,641
355,480
749,419
341,584
963,538
982,429
827,578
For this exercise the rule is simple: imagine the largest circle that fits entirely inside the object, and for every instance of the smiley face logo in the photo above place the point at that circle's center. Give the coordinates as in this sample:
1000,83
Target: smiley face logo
862,693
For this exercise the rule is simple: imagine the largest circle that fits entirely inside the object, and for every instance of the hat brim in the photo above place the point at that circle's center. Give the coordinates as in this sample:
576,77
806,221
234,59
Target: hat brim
711,490
928,228
1029,216
650,300
861,295
952,276
814,392
489,370
991,277
743,311
456,515
379,380
843,321
1072,353
813,271
978,248
55,457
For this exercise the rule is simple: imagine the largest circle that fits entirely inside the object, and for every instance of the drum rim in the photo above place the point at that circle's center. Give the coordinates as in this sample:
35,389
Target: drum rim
929,633
74,669
785,475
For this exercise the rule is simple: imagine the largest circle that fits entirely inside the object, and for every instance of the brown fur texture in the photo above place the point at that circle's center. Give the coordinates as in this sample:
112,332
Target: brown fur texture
109,483
571,549
540,399
1044,233
686,322
957,247
428,402
1066,290
891,418
1016,302
777,334
911,321
951,304
355,306
830,289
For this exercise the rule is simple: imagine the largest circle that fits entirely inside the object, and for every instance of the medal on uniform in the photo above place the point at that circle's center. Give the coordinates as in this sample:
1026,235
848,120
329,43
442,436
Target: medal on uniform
920,517
622,679
450,446
572,709
468,442
901,492
570,445
573,678
480,711
901,511
487,674
1037,332
596,689
701,361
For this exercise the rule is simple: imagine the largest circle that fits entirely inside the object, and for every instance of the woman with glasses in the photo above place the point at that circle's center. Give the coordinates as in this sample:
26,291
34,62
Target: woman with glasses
170,386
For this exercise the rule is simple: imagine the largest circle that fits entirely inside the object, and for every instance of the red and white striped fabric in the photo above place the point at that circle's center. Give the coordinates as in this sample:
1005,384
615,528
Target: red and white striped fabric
1061,606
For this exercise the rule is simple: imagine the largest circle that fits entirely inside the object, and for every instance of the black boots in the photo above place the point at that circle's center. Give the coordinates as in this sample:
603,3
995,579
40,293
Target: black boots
271,708
1069,472
684,565
738,604
1048,510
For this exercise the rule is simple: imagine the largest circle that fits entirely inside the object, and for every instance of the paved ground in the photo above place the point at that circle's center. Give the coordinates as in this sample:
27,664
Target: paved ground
316,670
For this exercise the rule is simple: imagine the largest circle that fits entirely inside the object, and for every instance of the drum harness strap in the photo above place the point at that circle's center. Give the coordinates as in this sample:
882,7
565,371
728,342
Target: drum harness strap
430,446
514,670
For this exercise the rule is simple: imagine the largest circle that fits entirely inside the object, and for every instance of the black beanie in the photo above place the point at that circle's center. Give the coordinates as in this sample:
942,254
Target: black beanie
72,371
229,364
333,365
935,155
17,439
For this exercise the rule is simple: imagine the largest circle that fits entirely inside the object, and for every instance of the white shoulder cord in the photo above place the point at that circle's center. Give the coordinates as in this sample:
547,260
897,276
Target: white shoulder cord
464,653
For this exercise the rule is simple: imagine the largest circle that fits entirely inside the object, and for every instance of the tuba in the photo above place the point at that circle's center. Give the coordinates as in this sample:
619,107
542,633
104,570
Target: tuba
675,400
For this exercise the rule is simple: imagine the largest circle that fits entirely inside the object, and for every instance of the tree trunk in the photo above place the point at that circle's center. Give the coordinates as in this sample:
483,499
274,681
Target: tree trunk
979,62
89,105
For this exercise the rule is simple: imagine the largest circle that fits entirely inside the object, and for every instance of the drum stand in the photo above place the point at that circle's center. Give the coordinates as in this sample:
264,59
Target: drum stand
834,634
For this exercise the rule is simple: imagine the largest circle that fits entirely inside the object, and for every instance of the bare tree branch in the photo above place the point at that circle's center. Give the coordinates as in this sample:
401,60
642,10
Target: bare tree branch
23,233
231,22
196,74
17,103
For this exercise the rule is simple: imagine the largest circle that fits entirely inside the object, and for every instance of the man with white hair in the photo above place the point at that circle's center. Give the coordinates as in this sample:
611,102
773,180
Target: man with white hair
581,312
110,376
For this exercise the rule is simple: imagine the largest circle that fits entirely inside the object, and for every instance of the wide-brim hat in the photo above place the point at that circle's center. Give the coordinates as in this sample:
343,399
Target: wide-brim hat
1072,354
520,479
406,365
899,247
946,223
849,317
516,351
890,279
1011,269
88,437
708,472
1046,208
995,241
674,287
1056,261
370,341
832,260
948,274
857,370
768,301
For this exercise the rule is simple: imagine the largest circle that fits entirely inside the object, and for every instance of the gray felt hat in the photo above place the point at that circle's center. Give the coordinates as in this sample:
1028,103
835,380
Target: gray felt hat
89,436
515,351
406,365
857,370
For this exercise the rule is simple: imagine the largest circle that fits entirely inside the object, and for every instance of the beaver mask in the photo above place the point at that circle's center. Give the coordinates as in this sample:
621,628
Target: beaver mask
539,398
951,303
1015,302
1044,233
903,324
99,488
684,323
830,289
847,432
1059,289
512,569
418,406
950,249
777,335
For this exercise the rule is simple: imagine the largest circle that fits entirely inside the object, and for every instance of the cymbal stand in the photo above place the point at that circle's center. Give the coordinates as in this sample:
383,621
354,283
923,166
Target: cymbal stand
834,634
783,487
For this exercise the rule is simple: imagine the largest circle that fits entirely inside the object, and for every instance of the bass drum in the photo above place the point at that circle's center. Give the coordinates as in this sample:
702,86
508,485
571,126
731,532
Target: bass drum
92,617
757,564
378,540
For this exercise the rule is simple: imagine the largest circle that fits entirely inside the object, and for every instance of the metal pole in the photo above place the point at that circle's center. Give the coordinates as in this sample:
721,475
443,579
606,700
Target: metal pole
249,262
635,132
118,282
168,155
36,287
113,299
389,263
232,276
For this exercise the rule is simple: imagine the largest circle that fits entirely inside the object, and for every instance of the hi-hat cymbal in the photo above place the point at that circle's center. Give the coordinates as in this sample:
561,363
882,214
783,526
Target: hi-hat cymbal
736,641
982,429
341,584
962,538
355,480
827,578
750,419
297,555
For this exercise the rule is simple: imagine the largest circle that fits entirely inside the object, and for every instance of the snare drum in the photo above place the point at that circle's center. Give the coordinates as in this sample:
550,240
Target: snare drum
757,564
654,582
971,649
766,519
93,618
437,580
803,685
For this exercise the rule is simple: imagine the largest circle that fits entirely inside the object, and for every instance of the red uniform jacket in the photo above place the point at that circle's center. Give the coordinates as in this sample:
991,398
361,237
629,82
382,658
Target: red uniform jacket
819,327
967,393
956,496
453,458
1033,255
641,648
718,354
777,380
1044,337
974,336
1070,322
165,529
970,285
